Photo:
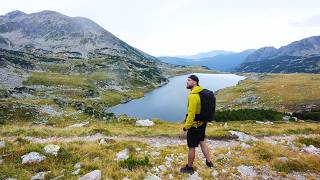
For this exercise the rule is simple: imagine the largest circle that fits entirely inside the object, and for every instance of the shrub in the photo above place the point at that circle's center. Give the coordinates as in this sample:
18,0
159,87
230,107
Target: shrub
308,115
248,114
132,162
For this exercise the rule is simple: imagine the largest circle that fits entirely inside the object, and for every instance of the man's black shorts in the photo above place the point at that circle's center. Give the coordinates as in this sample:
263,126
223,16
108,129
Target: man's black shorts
195,135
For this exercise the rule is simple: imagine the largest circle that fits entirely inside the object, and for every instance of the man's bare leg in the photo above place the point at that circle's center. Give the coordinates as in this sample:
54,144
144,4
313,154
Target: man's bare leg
191,156
205,150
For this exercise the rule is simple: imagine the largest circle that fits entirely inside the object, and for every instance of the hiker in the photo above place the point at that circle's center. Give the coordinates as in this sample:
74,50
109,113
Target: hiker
195,128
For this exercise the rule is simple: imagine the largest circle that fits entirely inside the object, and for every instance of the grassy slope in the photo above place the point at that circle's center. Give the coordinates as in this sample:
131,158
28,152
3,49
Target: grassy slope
282,92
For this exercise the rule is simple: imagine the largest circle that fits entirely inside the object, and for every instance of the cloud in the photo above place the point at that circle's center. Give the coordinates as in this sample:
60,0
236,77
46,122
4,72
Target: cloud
313,21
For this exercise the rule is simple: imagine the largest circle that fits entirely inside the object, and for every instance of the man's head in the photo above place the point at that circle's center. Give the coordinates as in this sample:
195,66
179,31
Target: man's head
192,81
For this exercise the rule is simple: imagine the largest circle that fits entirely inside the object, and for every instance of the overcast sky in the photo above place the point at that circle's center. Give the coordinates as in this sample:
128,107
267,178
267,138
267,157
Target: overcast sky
183,27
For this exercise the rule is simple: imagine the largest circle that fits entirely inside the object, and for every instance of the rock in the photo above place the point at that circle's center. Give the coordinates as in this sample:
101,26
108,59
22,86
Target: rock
91,93
311,149
23,89
225,125
152,177
2,144
170,176
162,168
286,118
103,141
76,172
146,122
154,154
10,179
243,136
220,157
39,176
32,157
294,118
50,110
122,155
246,171
126,178
79,125
266,122
283,159
194,176
214,173
60,101
245,146
51,149
77,166
93,175
79,106
40,122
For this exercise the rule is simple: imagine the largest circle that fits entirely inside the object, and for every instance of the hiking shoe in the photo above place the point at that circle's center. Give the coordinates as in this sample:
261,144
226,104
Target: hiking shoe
187,169
209,164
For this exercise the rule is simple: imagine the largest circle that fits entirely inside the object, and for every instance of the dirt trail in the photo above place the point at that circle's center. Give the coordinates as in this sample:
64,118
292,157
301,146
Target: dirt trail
157,141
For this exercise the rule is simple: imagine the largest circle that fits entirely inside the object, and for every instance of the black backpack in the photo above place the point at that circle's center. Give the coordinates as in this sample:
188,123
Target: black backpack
208,106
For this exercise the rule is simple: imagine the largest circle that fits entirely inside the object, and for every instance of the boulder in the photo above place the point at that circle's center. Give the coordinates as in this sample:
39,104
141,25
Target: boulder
2,144
51,149
246,171
243,136
93,175
311,149
39,176
122,155
146,122
79,106
262,122
194,176
103,141
152,177
79,125
32,157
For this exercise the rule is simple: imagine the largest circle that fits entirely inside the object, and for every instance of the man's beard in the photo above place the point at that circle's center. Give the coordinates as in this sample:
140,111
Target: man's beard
189,87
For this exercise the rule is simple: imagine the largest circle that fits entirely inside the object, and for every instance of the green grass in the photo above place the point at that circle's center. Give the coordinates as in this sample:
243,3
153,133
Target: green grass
56,79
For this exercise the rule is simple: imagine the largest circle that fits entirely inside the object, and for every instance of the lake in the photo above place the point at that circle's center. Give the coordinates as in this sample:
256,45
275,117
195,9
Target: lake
169,102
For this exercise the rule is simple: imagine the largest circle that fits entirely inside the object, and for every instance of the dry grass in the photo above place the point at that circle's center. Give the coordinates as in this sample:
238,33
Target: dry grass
277,91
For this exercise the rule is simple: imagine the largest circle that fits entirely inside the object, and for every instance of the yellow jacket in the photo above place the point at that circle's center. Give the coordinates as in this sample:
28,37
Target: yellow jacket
194,107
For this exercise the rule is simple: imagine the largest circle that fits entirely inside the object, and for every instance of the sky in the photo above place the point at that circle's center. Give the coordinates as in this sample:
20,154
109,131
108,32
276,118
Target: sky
185,27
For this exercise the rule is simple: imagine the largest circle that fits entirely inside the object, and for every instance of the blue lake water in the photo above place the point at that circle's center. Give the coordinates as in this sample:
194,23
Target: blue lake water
169,102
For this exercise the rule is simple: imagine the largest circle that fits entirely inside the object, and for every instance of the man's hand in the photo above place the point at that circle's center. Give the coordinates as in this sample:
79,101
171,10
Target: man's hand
183,134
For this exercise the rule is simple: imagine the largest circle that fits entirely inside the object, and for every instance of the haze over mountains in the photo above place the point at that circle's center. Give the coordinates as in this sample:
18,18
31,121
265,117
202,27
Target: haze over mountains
222,62
298,56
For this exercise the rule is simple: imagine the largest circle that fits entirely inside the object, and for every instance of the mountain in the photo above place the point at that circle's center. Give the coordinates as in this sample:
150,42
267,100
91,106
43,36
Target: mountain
222,62
52,32
51,42
299,56
206,54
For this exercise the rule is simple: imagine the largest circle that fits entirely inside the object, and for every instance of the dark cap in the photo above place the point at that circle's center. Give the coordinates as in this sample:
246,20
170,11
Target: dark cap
195,78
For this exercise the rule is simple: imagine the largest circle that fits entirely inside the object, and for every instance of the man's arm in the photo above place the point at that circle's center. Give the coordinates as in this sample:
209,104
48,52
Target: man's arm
192,105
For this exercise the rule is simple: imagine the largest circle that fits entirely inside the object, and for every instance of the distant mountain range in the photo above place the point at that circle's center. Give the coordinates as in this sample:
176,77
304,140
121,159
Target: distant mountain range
299,56
206,54
226,61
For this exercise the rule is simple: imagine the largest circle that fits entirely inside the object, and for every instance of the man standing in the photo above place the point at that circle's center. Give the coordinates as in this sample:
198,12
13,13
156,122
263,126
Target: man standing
195,129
